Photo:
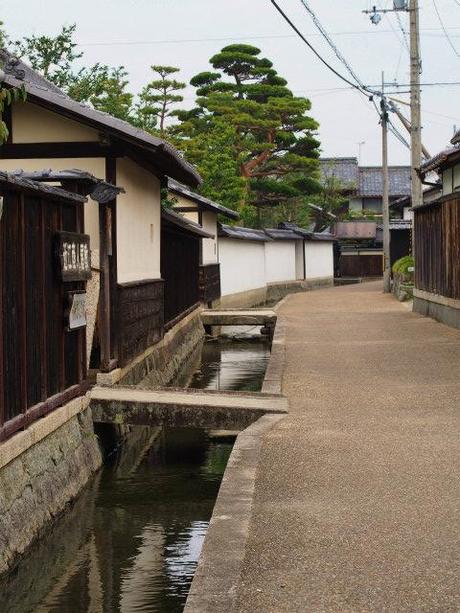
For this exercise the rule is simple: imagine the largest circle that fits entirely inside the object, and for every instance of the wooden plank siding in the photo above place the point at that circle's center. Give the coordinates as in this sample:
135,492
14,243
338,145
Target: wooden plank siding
361,265
437,248
42,365
140,316
209,282
180,257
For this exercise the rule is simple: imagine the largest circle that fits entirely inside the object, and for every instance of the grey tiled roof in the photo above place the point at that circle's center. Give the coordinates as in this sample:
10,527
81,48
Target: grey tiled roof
166,158
441,158
23,183
248,234
182,222
371,181
207,204
343,169
282,234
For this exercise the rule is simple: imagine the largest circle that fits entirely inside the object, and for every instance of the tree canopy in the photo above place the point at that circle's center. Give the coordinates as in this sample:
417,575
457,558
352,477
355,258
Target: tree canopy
274,139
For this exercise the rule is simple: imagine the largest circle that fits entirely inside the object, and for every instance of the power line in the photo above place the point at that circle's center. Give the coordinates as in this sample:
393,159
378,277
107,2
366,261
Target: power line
441,22
331,43
404,33
166,41
310,46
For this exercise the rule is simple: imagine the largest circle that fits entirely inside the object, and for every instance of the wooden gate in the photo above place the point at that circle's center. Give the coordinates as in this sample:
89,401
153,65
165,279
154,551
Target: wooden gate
42,365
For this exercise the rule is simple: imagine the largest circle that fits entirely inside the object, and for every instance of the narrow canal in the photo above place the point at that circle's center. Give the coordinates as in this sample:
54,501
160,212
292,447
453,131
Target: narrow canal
132,540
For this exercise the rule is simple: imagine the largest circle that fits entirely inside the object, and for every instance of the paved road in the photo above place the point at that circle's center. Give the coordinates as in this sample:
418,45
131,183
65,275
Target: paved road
358,497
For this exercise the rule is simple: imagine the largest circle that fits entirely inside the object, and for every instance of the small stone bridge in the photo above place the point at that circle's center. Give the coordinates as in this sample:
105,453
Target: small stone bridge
243,317
179,407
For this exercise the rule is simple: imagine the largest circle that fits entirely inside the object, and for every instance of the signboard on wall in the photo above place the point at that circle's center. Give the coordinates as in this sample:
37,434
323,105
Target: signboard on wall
74,256
76,313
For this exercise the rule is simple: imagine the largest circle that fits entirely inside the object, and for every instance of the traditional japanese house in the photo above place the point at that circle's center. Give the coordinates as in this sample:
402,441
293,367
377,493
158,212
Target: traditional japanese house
206,213
44,267
362,186
437,241
50,130
361,252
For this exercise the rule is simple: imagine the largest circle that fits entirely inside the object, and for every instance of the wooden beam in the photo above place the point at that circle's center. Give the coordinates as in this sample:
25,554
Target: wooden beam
88,149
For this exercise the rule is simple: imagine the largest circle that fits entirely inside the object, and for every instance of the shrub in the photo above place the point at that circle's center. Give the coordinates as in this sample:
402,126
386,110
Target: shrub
403,264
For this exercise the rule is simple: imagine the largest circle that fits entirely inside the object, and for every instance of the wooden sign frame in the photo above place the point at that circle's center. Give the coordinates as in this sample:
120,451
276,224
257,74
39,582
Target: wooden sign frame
74,256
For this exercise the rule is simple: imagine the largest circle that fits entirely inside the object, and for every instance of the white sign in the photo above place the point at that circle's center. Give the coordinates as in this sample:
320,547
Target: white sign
77,314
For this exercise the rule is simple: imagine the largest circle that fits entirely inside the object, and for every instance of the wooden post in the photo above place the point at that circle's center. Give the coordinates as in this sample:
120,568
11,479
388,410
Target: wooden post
385,198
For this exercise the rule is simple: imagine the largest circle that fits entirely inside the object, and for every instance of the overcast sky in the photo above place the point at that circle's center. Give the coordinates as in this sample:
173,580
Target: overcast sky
186,33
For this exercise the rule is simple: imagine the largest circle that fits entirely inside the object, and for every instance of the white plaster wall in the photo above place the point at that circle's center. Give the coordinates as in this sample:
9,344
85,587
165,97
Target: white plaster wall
34,124
96,166
209,223
319,259
138,223
407,213
299,264
242,265
280,261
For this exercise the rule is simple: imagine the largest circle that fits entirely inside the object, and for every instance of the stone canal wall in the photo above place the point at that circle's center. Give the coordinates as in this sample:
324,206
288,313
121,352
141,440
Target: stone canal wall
42,469
160,364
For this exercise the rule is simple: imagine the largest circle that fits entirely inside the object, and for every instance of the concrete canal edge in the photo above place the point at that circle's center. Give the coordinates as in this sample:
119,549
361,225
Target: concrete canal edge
218,573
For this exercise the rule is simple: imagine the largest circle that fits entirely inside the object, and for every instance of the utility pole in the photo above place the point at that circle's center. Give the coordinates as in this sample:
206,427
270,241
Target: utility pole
416,123
385,195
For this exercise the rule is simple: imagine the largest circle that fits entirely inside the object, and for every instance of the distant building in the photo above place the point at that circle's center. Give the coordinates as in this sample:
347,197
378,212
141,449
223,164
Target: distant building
363,185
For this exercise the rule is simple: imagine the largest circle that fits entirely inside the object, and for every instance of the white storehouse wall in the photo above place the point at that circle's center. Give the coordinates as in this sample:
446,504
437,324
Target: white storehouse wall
246,265
280,261
319,260
242,265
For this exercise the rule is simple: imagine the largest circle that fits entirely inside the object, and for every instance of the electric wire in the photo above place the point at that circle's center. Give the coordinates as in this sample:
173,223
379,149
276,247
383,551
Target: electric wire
404,33
446,34
330,42
318,55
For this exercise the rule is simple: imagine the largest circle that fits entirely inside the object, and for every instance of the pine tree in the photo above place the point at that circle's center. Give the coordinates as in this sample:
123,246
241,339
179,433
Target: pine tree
157,99
275,139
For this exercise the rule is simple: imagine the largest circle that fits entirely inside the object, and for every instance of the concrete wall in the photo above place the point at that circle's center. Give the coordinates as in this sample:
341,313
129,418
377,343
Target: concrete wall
138,223
280,261
319,260
242,265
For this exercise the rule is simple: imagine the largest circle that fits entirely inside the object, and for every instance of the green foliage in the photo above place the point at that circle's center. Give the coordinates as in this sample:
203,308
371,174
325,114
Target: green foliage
7,95
157,98
331,201
212,152
102,86
51,56
403,264
273,139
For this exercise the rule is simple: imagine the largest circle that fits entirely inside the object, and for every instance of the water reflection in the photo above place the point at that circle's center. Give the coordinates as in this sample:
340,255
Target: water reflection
232,364
132,540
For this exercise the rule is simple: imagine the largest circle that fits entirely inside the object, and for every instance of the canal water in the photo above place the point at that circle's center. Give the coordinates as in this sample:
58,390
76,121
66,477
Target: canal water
132,540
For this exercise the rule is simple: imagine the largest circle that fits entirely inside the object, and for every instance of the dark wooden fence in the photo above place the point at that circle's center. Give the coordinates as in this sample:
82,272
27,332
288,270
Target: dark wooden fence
209,283
42,365
140,317
437,248
180,254
361,265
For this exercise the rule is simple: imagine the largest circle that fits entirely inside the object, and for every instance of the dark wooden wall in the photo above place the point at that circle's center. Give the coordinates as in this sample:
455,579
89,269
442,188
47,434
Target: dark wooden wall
437,248
41,364
400,244
356,266
180,262
209,282
140,317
